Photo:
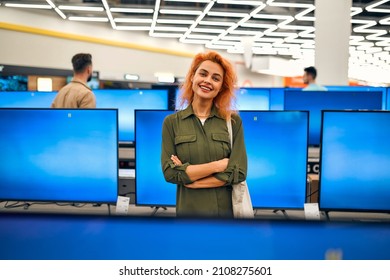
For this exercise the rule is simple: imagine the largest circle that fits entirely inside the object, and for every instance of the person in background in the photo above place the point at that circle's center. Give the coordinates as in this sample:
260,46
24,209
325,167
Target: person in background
77,94
309,79
196,152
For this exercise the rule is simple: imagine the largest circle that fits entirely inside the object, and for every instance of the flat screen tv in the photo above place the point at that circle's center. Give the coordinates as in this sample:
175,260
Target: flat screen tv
253,99
126,101
150,186
13,83
26,99
315,101
59,155
276,144
276,99
364,89
355,161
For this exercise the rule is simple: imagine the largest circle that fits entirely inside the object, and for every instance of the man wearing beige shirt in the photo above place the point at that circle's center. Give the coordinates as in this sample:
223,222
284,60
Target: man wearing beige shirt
77,94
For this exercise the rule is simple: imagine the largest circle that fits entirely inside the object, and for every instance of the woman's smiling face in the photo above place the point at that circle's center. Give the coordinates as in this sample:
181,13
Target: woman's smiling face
207,81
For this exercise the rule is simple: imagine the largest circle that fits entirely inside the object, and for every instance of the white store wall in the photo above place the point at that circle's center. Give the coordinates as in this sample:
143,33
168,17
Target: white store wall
41,39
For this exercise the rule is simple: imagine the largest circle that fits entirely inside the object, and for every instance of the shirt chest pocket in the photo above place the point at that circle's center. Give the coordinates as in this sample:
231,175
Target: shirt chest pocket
185,145
221,143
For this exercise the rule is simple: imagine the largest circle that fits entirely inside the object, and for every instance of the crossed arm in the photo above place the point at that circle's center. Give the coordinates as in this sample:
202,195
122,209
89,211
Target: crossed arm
202,174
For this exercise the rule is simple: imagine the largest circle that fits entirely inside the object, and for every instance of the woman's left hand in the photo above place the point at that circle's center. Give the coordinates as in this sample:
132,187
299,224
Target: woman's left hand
176,160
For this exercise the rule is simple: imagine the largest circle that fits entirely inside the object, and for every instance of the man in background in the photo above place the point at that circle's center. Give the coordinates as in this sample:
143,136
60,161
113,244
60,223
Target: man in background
77,94
309,79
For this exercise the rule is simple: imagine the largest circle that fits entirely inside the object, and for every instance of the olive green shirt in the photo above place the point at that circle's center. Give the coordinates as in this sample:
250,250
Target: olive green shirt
184,135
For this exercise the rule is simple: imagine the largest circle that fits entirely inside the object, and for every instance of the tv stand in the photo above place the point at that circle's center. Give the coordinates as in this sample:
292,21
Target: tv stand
326,213
156,209
283,211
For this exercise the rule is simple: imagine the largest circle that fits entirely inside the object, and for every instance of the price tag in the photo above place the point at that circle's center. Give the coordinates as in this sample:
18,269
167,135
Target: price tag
122,205
312,211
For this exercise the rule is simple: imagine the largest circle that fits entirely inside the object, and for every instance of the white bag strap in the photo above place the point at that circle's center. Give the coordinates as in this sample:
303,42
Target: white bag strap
230,129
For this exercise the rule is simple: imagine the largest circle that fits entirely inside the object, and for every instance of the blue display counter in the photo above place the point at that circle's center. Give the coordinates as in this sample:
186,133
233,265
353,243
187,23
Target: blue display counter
79,237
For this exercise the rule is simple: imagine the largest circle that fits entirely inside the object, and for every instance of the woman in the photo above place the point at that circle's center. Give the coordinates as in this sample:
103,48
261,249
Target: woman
196,151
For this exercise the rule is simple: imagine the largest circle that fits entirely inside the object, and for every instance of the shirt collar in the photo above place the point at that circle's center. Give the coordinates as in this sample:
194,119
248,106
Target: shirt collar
189,111
80,82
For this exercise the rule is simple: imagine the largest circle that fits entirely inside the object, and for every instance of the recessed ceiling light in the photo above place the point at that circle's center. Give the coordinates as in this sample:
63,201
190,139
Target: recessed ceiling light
28,6
131,10
81,8
95,19
131,77
180,12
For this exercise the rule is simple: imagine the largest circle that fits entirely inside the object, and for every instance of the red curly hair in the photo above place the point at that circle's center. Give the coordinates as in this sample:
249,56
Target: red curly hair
225,99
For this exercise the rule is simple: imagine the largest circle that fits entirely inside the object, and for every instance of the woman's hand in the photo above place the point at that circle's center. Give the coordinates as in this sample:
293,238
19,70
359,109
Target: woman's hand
176,160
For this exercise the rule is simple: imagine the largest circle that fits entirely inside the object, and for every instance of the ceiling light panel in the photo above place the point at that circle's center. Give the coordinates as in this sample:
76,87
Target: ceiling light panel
132,28
180,12
189,1
216,23
58,11
175,21
133,20
43,6
92,19
81,8
132,10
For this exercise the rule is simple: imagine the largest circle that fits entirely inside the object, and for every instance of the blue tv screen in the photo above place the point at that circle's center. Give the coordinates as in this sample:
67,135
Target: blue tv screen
276,100
126,101
276,144
362,89
355,161
59,155
13,83
151,187
315,101
26,99
253,99
388,99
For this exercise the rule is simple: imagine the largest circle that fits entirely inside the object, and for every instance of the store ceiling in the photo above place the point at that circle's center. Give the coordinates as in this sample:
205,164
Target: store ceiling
281,28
